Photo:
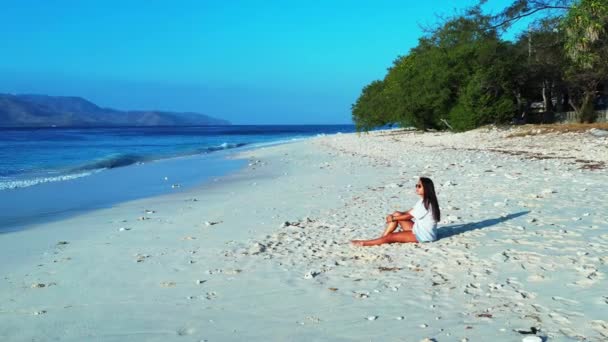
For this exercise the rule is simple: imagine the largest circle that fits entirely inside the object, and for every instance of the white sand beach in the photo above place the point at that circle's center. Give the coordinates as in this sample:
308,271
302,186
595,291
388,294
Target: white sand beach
265,254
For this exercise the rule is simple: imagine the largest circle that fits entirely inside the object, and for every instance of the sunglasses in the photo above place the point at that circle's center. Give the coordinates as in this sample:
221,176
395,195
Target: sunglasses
418,186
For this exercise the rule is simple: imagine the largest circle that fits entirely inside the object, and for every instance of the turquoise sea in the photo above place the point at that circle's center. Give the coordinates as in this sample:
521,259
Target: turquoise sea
49,172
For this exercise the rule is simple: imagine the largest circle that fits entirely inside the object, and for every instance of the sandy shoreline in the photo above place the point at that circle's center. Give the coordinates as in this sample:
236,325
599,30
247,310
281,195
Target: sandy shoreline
524,244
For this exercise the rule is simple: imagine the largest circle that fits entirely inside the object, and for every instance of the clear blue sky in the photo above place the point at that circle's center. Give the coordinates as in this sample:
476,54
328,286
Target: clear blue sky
250,62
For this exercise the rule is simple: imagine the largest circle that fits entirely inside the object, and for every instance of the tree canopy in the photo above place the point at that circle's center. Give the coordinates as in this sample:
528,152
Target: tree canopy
463,74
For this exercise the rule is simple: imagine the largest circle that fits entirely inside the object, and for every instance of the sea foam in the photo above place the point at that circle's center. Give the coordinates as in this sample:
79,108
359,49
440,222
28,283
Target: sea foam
13,184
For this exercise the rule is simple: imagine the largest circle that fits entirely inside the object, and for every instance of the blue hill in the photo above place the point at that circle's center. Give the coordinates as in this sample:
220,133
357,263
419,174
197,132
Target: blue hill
66,111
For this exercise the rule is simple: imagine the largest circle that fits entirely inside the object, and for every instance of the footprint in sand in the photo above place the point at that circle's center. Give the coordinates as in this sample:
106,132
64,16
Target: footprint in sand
185,331
141,257
589,281
565,300
601,327
572,334
559,318
536,278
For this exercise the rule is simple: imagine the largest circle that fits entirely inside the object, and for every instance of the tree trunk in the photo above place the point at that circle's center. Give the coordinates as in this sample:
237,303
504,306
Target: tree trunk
566,102
520,106
559,104
547,101
585,113
574,106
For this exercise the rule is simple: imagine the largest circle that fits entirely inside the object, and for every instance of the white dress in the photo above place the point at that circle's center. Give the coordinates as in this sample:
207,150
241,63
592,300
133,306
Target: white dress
425,225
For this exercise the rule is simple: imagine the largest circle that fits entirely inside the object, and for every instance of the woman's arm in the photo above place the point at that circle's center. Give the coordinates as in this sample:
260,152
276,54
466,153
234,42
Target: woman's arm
403,217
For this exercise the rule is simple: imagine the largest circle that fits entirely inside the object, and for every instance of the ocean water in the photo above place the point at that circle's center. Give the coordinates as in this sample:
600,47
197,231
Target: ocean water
50,173
32,156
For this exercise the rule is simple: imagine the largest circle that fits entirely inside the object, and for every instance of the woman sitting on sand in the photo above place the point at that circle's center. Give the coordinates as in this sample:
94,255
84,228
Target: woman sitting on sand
417,224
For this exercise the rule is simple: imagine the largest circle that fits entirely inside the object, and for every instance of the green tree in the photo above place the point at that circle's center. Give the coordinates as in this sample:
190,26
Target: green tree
586,27
489,94
525,8
458,74
461,74
370,110
540,77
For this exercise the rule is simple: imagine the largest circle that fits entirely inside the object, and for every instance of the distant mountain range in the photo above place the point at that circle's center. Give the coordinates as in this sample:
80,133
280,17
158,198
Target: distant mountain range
64,111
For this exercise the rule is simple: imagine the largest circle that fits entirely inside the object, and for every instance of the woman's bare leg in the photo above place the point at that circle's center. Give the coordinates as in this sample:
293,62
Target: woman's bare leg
407,225
407,236
389,228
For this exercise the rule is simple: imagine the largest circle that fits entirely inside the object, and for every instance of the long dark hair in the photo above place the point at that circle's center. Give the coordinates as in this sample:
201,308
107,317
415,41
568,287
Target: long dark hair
430,198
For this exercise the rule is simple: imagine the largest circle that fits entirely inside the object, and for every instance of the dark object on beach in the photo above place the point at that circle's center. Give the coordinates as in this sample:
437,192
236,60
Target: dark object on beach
387,269
532,331
486,315
287,224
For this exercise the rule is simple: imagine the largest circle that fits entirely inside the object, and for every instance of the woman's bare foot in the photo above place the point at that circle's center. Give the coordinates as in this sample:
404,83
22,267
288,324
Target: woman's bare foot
357,242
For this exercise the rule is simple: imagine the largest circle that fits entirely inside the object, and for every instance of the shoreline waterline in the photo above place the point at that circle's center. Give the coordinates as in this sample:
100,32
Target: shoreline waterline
23,208
33,156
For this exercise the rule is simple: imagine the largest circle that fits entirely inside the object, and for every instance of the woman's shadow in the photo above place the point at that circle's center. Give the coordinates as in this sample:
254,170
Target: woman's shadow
448,231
